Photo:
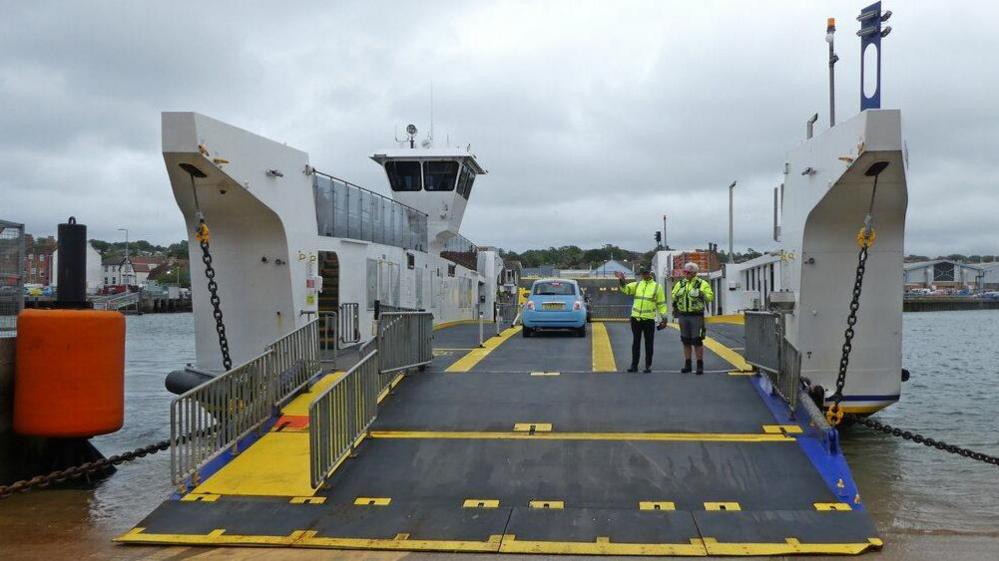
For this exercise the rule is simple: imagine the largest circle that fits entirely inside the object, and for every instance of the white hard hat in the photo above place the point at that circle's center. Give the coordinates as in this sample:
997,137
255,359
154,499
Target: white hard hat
692,267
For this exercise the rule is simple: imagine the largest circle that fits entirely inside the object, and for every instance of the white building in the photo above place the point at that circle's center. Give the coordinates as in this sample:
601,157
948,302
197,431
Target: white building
943,274
94,272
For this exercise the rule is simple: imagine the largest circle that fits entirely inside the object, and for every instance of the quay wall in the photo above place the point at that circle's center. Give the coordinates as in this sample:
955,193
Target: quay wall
940,304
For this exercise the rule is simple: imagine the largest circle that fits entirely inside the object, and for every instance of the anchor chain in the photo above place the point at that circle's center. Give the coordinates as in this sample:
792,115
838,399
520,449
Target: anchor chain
76,472
835,412
924,440
202,235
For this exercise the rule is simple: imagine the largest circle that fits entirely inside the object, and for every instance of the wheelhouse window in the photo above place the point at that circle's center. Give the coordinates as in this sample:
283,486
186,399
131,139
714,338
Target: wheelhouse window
403,176
439,176
465,181
554,288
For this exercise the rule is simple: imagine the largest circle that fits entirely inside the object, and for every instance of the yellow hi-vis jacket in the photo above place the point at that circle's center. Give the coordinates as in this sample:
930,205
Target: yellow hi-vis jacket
684,302
649,297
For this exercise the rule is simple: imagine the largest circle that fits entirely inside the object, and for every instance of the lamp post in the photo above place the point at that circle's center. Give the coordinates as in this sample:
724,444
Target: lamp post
126,253
731,254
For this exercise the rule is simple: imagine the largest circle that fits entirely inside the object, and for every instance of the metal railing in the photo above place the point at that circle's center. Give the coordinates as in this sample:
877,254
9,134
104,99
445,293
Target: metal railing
405,340
761,340
329,329
340,415
211,418
208,419
11,276
607,311
295,359
507,312
350,323
772,354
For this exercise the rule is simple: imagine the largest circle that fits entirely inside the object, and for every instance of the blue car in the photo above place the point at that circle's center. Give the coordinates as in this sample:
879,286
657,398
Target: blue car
555,304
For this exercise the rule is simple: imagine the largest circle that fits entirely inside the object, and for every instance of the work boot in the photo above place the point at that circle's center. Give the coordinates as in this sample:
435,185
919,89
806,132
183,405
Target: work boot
700,367
633,368
648,369
686,367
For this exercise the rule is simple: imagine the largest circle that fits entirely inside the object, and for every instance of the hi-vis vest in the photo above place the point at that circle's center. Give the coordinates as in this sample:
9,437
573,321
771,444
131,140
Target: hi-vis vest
649,297
684,303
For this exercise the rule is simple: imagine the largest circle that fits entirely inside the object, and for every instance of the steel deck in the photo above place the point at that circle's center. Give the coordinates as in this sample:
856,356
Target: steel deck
521,447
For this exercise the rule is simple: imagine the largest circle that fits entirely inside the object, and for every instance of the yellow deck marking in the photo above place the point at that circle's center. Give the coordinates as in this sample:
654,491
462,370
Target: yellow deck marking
730,356
545,373
741,373
307,500
777,429
491,545
790,546
722,506
532,427
446,324
832,506
215,537
395,382
602,546
372,501
451,350
467,362
656,505
205,498
603,354
554,505
616,436
733,319
277,464
480,503
300,405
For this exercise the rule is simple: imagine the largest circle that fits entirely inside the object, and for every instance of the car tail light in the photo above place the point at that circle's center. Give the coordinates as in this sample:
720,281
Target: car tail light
577,305
530,305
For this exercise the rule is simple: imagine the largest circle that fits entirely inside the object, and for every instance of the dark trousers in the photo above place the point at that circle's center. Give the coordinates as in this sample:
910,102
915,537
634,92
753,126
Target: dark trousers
640,327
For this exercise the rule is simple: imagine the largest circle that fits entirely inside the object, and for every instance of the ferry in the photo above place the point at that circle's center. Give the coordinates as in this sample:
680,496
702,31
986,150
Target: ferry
362,384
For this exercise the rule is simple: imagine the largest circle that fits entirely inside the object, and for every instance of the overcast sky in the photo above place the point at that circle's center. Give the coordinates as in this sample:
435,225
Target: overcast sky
593,119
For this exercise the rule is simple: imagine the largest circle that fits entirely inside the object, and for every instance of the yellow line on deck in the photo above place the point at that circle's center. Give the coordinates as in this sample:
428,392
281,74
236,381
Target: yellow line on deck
603,354
730,356
601,546
790,546
611,436
468,362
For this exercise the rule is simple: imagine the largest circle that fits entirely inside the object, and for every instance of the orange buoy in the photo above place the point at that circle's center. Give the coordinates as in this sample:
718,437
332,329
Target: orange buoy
69,378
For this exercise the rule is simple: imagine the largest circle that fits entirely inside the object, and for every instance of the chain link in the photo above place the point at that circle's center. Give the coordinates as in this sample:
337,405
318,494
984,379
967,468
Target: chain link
82,470
213,289
924,440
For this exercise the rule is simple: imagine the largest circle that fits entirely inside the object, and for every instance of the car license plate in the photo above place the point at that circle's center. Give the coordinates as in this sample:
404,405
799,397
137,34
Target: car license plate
552,306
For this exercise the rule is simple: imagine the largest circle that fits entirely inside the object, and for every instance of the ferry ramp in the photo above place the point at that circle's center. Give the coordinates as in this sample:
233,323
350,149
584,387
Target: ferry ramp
544,445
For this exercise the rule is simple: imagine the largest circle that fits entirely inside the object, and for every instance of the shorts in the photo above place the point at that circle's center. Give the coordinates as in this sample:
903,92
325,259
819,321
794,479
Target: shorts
691,329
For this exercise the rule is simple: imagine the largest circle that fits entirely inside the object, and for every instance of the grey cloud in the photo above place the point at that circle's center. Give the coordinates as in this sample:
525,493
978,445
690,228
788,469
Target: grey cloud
593,119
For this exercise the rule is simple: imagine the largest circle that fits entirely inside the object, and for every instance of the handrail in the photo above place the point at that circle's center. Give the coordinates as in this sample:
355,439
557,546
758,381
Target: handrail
773,355
405,340
213,417
340,415
296,359
206,420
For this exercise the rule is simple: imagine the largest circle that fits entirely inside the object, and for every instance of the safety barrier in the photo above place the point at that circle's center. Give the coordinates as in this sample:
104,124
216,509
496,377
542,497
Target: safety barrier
772,354
761,340
329,329
405,340
211,418
295,359
215,415
350,323
12,272
340,415
607,311
506,313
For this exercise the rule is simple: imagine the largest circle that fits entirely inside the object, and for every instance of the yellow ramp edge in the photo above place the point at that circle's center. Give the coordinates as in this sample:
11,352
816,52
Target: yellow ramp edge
401,543
468,362
601,546
372,501
722,506
777,429
215,537
656,505
532,427
832,506
603,354
789,547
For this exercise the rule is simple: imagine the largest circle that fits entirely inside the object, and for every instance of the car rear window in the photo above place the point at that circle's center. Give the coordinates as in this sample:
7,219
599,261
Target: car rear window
554,288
